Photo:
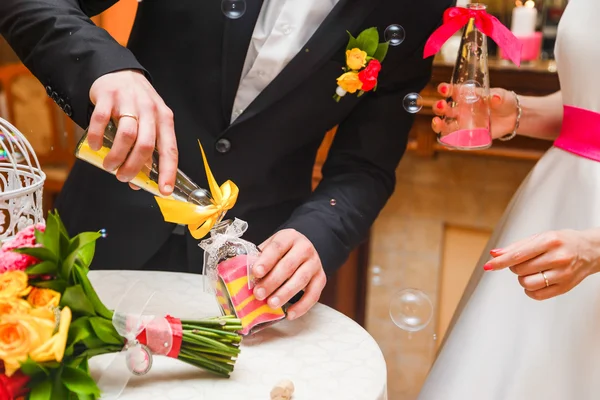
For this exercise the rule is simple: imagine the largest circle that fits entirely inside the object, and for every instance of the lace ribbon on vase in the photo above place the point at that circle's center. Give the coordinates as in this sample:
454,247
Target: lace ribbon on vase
225,245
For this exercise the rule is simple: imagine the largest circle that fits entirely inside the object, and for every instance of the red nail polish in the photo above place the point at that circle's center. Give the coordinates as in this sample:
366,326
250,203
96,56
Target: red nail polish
496,97
444,89
440,105
496,252
488,267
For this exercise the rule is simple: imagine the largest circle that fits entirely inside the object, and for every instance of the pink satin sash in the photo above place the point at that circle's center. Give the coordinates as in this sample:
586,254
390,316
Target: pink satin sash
580,133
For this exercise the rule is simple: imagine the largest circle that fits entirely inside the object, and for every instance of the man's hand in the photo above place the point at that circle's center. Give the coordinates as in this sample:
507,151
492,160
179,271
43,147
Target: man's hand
144,122
287,265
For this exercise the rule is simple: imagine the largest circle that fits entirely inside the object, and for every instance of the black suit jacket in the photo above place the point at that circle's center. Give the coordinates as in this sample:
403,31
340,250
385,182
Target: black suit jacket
194,56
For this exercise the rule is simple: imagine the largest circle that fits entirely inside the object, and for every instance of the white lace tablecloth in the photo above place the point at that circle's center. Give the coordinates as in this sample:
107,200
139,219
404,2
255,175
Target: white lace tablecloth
325,354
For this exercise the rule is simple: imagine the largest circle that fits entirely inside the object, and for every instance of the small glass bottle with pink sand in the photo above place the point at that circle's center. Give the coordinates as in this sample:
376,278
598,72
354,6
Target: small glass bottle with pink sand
466,124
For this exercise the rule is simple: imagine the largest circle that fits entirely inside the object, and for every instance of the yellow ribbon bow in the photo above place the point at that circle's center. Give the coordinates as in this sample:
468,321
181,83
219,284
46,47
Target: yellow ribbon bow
201,219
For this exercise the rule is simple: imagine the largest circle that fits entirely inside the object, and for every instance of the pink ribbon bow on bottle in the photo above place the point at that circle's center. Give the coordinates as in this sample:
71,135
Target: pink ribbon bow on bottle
457,17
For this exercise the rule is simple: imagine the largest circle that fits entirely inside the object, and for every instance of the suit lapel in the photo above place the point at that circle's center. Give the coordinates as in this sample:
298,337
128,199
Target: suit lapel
236,39
345,17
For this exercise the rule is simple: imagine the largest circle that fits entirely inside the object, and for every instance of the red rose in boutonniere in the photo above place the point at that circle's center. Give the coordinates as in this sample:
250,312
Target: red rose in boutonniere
364,55
368,76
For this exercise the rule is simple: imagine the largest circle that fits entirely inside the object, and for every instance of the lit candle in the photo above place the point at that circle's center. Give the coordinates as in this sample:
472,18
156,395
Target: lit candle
524,19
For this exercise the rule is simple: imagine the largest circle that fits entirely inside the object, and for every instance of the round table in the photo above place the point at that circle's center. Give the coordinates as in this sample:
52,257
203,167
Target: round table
325,354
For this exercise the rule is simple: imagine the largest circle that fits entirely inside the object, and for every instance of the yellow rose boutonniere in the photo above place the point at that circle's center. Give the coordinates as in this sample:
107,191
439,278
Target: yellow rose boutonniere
356,59
364,55
350,82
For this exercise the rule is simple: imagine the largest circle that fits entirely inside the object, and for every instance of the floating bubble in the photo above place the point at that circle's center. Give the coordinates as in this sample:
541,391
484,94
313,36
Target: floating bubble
103,233
333,202
411,310
413,103
470,91
394,34
233,9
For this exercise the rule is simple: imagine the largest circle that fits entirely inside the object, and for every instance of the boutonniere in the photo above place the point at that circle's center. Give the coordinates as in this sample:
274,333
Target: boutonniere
364,55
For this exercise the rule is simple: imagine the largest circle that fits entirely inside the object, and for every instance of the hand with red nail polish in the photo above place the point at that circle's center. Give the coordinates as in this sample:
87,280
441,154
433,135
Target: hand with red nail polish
551,263
503,107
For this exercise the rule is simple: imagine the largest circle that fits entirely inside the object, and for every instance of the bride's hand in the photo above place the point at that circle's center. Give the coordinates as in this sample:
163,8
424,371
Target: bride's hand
503,110
551,263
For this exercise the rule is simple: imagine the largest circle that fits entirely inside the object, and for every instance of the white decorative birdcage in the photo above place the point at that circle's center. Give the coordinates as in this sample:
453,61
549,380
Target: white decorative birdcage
21,182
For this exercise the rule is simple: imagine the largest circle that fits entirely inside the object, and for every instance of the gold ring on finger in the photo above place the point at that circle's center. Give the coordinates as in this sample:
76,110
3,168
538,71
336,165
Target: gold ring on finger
545,278
128,116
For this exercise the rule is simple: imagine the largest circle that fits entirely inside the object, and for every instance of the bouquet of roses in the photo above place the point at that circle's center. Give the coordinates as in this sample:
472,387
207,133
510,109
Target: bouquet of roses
52,321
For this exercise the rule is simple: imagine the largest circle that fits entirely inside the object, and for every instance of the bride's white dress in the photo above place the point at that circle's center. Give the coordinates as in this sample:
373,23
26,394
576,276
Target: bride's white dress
504,345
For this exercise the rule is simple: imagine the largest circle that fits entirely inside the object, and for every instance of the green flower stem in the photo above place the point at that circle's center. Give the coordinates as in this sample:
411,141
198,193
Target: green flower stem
198,339
207,364
224,360
218,332
232,352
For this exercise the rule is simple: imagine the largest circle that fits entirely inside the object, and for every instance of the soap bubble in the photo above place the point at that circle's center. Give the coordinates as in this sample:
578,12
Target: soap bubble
411,310
394,34
412,103
233,9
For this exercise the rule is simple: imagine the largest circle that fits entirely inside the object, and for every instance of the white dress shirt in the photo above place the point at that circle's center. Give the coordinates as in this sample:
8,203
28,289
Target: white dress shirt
282,29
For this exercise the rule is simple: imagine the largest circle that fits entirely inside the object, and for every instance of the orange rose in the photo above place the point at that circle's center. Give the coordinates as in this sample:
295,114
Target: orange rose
13,306
20,334
43,297
356,59
13,284
350,82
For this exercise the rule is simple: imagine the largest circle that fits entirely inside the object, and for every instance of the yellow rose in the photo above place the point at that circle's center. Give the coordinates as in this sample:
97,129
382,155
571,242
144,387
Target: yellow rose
43,297
13,284
13,306
54,349
19,335
350,82
356,59
44,313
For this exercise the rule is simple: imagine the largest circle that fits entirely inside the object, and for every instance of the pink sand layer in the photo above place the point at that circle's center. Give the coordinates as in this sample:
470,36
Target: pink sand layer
468,138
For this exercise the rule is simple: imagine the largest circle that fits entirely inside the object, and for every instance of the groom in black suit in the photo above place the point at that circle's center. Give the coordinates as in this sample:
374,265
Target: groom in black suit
257,91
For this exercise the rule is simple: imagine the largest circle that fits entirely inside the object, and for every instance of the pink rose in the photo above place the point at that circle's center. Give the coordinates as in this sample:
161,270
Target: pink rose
25,238
11,261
